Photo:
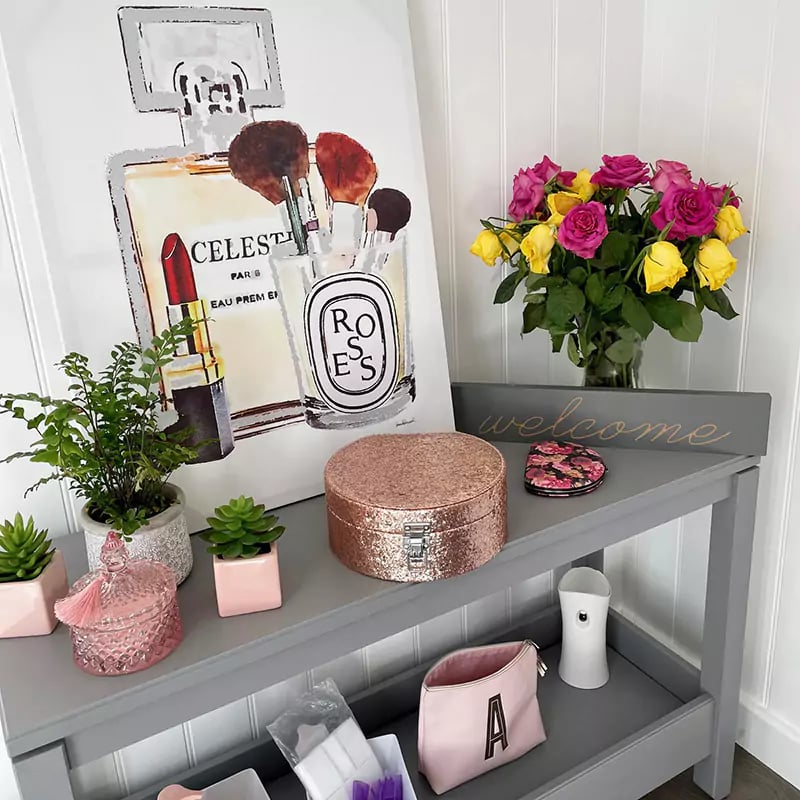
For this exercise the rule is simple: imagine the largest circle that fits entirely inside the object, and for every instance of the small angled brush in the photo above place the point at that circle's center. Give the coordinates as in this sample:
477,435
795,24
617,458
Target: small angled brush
349,173
272,159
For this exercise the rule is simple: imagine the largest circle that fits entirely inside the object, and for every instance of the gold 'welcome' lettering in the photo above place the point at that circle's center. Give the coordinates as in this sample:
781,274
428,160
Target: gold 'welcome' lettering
565,426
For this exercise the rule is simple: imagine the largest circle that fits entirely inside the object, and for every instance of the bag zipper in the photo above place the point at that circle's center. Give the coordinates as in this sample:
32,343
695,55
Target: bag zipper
541,667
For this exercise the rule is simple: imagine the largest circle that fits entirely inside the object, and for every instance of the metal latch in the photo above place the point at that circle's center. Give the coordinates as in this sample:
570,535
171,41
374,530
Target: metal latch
416,543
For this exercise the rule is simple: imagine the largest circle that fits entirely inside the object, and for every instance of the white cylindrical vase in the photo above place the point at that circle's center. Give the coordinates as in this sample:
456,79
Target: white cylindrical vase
584,594
165,537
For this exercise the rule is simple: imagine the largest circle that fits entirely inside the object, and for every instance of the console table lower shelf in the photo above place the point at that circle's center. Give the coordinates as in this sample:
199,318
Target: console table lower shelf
650,722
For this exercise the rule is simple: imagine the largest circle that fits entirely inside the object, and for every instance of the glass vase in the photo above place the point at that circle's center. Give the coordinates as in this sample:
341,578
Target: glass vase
602,372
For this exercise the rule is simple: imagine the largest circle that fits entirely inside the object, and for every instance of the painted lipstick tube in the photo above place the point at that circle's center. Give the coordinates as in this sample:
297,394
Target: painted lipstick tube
196,375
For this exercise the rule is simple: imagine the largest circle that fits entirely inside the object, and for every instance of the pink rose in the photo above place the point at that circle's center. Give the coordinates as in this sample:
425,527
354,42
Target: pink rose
528,195
566,177
718,194
546,169
691,209
620,172
669,172
583,229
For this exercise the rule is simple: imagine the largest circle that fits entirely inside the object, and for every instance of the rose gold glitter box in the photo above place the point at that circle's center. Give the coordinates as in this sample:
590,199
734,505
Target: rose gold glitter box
416,507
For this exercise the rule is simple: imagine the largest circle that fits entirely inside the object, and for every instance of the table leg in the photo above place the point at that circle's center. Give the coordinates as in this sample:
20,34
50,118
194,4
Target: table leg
44,774
732,523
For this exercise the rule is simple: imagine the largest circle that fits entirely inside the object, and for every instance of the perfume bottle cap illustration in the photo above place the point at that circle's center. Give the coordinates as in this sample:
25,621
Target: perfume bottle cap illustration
210,65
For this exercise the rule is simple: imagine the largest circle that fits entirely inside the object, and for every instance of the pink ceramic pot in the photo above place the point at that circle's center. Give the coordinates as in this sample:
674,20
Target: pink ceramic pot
245,585
26,607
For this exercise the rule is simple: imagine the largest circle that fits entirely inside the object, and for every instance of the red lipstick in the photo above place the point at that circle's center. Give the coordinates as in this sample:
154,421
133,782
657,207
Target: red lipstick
178,273
195,376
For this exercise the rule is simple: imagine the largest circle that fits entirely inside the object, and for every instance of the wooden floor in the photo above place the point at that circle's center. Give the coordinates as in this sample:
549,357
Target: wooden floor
751,781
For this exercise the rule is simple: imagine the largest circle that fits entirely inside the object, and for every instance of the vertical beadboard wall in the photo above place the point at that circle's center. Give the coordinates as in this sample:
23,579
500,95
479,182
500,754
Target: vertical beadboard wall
703,81
500,82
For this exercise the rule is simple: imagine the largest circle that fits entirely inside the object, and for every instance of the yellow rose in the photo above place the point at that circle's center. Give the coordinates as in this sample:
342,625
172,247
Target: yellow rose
487,246
536,247
512,245
559,203
583,186
730,225
663,267
714,264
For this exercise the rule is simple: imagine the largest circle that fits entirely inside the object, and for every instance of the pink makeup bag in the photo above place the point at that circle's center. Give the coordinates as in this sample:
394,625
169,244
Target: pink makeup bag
478,710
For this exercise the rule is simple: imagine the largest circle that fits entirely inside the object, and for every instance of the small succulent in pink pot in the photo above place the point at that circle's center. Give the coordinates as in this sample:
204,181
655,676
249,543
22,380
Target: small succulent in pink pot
32,578
243,540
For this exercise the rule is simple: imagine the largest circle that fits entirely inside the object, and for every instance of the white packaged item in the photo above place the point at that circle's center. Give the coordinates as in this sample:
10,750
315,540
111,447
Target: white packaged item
324,745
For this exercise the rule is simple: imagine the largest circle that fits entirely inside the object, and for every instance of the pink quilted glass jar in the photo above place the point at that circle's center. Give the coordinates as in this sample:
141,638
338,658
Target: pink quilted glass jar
123,617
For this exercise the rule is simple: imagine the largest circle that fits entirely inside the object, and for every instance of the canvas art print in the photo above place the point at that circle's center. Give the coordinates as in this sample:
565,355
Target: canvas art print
265,181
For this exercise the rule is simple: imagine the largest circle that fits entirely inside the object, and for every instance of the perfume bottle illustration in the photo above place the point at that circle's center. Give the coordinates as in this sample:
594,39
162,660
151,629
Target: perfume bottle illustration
195,241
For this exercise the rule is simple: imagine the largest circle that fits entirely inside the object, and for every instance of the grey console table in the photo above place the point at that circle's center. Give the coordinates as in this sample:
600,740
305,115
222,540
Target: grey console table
668,454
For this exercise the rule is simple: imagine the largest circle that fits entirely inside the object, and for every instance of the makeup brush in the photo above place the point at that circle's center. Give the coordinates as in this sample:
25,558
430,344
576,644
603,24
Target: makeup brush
389,210
349,173
271,158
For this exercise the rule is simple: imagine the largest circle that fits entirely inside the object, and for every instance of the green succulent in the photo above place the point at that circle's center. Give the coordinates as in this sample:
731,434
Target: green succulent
24,550
242,529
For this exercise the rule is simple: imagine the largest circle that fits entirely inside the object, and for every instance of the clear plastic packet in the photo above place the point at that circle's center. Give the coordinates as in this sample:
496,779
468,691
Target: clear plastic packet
324,745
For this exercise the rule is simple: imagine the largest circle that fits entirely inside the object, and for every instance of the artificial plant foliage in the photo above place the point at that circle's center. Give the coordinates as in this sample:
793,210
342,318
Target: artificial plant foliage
242,529
104,439
25,550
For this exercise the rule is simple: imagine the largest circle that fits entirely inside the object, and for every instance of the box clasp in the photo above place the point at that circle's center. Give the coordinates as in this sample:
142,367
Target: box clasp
416,543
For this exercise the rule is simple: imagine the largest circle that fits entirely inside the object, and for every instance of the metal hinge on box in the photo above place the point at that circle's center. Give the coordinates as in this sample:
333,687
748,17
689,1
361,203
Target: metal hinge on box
416,543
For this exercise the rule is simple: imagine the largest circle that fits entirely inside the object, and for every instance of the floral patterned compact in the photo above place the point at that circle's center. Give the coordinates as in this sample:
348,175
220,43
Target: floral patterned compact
563,469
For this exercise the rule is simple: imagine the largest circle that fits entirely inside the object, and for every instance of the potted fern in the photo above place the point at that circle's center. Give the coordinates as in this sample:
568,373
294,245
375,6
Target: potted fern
32,578
243,540
105,441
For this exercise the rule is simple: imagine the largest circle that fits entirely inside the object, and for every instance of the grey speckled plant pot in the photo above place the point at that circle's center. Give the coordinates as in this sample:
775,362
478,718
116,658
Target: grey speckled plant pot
165,538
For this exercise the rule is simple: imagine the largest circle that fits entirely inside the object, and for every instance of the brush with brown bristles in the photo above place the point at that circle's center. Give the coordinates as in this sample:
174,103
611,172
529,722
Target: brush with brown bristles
349,173
271,158
389,210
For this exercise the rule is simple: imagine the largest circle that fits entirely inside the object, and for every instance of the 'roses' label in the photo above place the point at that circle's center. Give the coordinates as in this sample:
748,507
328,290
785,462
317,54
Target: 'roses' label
351,334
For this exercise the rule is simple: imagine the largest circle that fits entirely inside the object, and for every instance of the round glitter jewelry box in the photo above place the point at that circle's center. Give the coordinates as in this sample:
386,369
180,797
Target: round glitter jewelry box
416,507
563,469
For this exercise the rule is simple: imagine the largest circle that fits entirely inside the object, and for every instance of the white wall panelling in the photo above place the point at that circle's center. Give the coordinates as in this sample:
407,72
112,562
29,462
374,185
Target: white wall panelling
501,82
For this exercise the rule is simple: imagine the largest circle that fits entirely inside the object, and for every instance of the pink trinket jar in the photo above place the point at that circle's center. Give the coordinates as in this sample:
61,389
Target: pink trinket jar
123,617
416,507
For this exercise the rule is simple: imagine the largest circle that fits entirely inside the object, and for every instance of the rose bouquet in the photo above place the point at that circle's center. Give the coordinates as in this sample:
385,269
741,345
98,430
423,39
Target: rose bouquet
604,257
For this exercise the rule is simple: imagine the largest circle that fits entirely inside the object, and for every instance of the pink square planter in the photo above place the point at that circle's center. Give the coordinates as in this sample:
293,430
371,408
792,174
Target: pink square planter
26,607
245,585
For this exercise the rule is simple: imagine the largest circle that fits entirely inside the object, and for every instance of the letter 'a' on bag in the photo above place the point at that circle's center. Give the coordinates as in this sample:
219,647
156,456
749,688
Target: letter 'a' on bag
478,710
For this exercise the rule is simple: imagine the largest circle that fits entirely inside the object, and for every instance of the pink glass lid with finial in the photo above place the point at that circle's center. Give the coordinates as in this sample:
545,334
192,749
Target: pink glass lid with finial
124,616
